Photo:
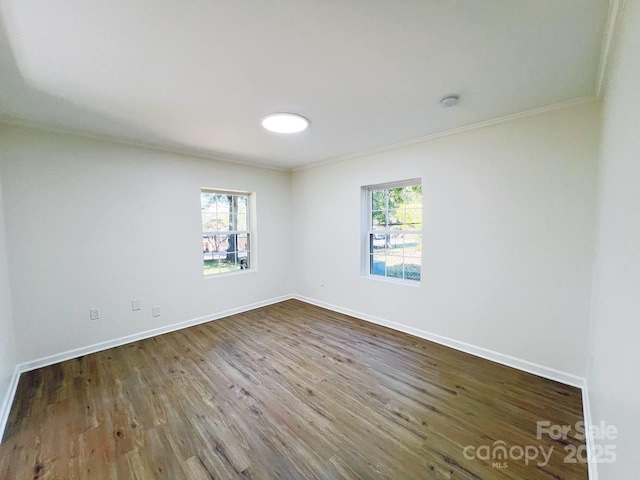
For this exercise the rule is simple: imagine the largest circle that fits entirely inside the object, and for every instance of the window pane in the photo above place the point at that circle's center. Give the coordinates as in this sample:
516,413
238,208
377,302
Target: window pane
244,260
377,264
412,269
214,244
378,241
378,219
413,219
211,267
208,202
232,243
378,200
243,242
209,223
230,263
236,254
412,245
396,197
220,222
233,221
223,203
394,245
413,195
242,203
395,219
209,245
394,267
241,222
231,267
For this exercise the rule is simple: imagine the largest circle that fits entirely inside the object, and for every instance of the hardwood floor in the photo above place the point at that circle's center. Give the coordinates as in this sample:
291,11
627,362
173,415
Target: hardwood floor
286,391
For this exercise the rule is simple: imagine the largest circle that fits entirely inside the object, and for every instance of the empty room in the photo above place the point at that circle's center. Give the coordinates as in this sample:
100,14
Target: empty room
319,239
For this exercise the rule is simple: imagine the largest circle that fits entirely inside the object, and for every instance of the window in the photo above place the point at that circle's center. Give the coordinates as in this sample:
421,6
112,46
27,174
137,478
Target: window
394,230
226,236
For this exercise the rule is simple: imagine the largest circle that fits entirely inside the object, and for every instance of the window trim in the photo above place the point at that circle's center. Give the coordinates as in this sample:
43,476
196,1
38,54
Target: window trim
367,229
251,230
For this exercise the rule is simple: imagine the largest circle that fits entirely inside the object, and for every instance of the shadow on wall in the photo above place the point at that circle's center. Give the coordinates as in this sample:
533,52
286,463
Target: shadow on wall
27,100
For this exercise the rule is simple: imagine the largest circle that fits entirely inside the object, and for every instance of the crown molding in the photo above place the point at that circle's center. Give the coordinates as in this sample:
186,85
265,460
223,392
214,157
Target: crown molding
19,122
453,131
614,18
473,126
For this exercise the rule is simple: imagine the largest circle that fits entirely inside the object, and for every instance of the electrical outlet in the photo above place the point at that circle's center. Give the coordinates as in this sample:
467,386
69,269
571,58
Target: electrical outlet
135,305
94,314
155,311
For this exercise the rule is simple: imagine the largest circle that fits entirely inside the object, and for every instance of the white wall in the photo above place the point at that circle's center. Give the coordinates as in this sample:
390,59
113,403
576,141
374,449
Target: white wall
7,341
508,236
96,224
614,377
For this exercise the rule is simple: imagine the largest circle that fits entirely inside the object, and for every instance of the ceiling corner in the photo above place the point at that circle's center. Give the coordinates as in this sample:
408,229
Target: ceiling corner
616,10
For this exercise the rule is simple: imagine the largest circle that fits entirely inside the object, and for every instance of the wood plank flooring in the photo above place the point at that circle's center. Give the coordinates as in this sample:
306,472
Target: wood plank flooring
287,391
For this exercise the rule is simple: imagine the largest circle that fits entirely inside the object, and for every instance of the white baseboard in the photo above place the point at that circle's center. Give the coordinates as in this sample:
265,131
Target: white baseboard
509,361
520,364
590,441
517,363
5,407
116,342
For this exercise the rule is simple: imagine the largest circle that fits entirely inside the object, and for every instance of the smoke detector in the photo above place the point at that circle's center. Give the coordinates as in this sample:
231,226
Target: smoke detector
449,101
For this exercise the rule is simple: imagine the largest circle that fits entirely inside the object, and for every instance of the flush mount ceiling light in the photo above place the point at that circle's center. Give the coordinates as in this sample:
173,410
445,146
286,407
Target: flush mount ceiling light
285,123
449,101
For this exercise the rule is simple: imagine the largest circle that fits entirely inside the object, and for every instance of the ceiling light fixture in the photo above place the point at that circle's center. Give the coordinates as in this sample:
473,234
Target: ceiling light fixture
285,123
449,101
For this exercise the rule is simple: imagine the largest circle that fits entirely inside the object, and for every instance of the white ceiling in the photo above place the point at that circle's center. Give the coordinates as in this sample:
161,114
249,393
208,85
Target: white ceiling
199,75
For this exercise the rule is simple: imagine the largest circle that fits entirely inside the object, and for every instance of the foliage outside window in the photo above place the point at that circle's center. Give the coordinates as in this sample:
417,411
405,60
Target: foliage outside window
395,230
226,245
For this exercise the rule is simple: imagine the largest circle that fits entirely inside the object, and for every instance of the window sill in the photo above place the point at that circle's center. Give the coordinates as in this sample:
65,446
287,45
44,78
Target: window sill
230,274
398,281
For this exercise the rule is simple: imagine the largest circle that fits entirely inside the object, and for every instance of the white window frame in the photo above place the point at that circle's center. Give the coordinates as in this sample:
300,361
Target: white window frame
368,231
250,232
